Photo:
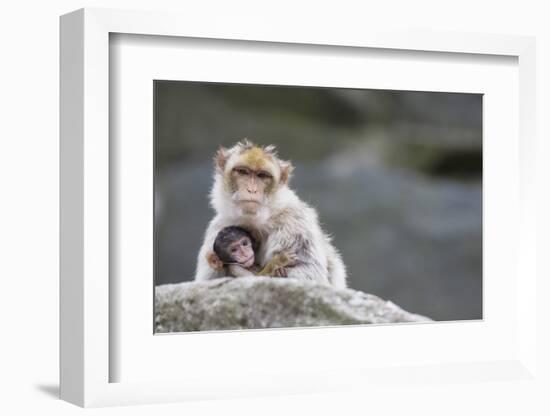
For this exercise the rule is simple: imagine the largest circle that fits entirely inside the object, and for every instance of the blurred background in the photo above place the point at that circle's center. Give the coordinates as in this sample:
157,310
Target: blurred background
396,177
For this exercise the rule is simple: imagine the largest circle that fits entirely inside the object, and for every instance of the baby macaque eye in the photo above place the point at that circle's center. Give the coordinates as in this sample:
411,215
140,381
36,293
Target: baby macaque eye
245,243
233,250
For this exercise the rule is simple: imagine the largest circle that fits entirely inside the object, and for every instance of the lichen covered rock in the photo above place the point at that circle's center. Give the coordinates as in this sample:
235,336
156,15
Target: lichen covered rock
263,302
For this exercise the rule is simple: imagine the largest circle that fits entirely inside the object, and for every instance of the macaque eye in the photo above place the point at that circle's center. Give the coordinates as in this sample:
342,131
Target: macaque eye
264,175
233,250
241,171
245,243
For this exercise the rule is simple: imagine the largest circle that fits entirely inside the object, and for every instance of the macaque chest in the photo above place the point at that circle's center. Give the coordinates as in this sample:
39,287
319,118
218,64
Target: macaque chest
265,251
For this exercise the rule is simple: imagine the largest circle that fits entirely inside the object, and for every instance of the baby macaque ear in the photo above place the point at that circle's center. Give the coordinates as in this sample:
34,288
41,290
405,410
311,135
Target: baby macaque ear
214,261
221,158
286,171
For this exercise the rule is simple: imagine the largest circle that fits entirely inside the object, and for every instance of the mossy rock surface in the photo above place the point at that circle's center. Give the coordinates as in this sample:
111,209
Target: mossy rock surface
263,302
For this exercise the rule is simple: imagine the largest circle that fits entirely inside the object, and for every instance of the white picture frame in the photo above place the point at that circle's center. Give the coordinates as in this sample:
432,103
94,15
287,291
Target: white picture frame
86,355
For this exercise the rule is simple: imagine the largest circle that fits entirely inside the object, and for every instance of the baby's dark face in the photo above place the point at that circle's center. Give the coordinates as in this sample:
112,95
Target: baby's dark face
241,251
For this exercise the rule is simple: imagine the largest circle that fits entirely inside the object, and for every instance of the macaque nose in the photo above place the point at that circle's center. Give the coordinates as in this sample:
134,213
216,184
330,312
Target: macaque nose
242,254
252,189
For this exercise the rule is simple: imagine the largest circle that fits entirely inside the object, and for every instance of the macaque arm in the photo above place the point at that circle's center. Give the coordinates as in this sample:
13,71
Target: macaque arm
268,269
299,232
238,271
205,271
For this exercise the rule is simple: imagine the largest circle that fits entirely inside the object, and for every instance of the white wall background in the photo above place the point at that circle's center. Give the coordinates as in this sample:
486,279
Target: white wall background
29,210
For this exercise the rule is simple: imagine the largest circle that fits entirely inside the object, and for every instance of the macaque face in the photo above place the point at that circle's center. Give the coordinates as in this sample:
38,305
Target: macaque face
241,252
252,179
251,175
251,187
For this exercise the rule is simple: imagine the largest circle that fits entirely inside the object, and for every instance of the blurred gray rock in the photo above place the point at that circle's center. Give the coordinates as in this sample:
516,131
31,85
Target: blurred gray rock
262,302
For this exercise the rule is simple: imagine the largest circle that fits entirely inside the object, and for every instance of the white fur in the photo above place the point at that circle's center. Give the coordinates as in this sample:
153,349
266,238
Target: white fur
285,223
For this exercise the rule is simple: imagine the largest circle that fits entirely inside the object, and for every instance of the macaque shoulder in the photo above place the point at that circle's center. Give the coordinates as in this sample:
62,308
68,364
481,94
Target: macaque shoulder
297,216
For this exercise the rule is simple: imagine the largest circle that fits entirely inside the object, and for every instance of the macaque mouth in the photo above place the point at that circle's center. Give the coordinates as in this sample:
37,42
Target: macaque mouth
241,199
248,201
247,263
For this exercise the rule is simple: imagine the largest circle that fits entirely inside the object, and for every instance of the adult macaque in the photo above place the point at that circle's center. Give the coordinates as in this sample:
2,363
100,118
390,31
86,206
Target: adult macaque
251,190
234,250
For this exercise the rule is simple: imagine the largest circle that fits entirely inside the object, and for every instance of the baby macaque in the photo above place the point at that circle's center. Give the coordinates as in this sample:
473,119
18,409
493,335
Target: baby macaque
235,250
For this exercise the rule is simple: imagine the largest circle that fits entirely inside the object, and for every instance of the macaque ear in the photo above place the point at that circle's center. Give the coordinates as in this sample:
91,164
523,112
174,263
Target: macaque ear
221,158
286,171
214,261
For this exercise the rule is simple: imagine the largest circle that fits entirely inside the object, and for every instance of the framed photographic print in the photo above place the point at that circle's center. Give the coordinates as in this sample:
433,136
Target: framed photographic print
270,212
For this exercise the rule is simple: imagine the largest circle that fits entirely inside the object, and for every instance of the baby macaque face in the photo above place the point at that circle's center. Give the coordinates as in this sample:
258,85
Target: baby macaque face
241,251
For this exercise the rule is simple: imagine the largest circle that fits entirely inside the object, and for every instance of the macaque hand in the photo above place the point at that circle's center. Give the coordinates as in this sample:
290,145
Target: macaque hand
286,259
213,261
